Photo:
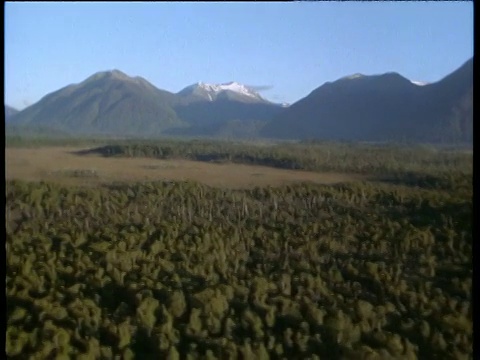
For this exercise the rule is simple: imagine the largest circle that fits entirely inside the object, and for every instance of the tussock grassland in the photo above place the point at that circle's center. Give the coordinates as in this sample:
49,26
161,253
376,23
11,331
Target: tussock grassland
63,165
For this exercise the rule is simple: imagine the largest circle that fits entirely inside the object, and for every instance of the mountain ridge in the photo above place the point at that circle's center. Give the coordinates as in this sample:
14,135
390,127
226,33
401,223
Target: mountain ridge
113,103
108,102
382,107
378,107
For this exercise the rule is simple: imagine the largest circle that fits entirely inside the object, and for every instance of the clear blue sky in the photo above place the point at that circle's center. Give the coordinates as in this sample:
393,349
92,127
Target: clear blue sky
291,47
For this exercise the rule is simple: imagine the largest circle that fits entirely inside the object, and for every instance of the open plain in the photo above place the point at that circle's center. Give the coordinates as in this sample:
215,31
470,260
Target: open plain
65,166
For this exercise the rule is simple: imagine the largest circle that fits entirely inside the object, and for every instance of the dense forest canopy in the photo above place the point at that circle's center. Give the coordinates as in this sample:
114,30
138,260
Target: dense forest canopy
179,270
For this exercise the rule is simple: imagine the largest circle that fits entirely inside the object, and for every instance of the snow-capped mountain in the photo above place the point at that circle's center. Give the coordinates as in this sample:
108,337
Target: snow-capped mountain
231,91
231,86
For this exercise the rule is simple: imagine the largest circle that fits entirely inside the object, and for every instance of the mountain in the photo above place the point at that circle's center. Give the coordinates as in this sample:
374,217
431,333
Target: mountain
356,107
380,108
113,103
9,112
211,92
210,109
448,104
108,102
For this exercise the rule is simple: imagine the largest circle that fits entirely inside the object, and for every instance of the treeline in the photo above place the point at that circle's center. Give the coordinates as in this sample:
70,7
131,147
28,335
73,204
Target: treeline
390,160
184,271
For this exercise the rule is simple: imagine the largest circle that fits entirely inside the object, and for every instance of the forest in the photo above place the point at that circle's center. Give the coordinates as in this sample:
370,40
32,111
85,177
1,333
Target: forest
377,269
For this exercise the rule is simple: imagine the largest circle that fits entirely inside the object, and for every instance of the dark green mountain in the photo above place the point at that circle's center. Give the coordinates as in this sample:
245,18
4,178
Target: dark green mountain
108,102
380,108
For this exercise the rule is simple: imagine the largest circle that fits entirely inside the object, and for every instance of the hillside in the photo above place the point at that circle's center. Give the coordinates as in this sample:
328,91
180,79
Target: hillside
108,102
381,108
230,109
113,103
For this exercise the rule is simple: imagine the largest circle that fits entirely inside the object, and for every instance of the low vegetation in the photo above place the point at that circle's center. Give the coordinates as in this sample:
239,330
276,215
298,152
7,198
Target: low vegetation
179,270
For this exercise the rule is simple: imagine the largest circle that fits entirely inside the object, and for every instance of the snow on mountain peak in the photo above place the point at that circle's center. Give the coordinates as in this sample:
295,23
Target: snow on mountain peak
418,83
215,89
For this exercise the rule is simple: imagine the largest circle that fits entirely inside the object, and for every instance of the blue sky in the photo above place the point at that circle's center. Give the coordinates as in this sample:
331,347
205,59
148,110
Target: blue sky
290,47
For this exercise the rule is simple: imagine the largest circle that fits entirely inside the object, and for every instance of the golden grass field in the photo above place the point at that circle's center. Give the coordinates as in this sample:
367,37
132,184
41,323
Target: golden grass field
58,164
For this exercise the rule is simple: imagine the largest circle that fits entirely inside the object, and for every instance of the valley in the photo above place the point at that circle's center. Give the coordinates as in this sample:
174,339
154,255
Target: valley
239,181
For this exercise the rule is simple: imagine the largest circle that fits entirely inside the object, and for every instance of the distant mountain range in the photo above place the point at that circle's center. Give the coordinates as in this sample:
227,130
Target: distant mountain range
357,107
113,103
